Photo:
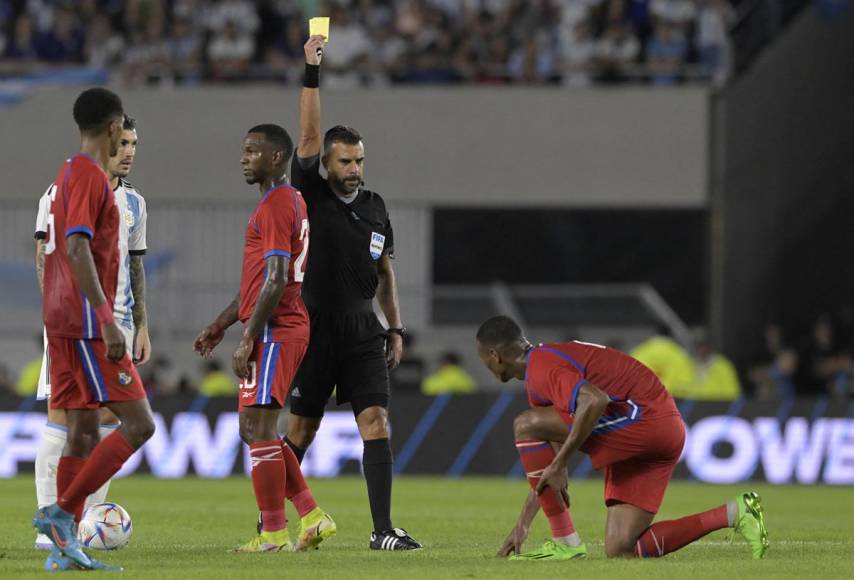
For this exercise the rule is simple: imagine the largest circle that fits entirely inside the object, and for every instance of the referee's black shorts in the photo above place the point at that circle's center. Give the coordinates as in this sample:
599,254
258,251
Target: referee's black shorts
346,354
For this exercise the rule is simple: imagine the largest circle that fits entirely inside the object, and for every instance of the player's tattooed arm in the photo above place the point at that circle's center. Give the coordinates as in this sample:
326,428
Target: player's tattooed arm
137,286
268,299
40,264
142,341
212,334
309,106
389,301
590,404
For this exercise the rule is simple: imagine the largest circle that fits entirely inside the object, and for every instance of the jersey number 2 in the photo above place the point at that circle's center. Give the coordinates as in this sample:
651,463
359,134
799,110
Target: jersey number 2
299,264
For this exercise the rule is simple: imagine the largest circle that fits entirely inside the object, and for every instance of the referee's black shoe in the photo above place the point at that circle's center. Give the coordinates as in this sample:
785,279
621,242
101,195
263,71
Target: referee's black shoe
393,539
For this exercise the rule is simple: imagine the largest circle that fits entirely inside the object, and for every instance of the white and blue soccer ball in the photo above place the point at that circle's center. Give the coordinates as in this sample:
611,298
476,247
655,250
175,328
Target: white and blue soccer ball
105,526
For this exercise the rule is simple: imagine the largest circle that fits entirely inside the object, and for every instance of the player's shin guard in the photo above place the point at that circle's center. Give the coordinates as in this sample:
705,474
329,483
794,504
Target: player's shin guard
268,480
665,537
296,489
100,496
47,462
106,459
536,456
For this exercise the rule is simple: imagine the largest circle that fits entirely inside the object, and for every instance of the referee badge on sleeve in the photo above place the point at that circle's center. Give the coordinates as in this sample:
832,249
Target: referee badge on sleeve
377,245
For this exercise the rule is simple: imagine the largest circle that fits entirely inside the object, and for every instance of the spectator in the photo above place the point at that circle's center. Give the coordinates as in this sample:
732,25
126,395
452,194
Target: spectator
617,51
450,378
577,55
665,53
715,377
345,59
711,39
63,42
773,374
215,382
229,54
668,360
825,366
103,48
21,46
185,51
27,384
147,58
534,61
160,377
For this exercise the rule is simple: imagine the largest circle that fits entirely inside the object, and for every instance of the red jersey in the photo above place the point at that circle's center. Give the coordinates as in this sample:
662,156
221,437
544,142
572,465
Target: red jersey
81,202
278,227
638,399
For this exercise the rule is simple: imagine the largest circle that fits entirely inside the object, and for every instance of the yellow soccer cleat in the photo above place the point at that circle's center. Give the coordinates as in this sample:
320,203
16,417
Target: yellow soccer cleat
277,541
315,527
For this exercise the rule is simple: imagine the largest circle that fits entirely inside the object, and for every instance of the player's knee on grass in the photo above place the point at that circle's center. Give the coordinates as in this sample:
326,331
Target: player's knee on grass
373,423
619,545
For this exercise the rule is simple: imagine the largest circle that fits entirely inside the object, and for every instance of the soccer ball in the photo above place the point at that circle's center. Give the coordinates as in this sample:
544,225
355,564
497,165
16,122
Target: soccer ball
105,526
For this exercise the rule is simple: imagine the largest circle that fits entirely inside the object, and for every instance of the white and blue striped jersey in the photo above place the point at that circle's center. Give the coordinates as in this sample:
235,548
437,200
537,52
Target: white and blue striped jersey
131,242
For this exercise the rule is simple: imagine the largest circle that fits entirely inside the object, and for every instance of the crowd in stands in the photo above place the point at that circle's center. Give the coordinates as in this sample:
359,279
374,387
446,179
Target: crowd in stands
373,42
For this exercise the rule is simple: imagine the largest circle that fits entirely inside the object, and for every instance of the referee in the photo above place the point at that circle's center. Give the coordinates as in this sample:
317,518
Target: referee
352,245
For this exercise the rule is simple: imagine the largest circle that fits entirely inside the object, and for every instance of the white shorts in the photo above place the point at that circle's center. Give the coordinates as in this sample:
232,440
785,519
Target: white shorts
44,376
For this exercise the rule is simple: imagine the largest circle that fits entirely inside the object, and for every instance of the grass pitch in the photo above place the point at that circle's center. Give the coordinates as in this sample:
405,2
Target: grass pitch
184,528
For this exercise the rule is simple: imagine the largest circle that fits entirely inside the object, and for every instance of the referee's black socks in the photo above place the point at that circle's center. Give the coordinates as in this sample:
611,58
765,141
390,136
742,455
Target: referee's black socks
300,453
377,463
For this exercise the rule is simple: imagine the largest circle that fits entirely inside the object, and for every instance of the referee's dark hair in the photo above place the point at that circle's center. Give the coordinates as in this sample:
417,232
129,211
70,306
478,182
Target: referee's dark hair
499,331
96,107
277,136
341,134
129,123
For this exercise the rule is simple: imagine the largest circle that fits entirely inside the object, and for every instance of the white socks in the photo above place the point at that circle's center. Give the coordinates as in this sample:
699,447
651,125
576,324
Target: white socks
572,539
47,459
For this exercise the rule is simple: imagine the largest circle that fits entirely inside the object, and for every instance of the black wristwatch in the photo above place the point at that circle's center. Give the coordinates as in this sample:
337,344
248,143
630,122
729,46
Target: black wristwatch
401,331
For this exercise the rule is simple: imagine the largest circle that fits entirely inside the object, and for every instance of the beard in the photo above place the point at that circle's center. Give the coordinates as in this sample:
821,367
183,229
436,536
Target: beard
347,187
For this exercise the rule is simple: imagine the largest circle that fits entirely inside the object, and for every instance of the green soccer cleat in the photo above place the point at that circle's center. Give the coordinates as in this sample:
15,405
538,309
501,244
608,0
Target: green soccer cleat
315,527
750,523
277,541
552,550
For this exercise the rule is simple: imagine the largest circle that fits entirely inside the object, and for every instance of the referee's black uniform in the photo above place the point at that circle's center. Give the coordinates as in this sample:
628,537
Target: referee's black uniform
347,345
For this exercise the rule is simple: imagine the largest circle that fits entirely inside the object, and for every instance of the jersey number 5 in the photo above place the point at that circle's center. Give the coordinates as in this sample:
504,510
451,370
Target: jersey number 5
50,240
299,263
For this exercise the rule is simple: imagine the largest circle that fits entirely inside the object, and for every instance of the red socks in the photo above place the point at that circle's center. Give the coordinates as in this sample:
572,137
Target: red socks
296,489
664,537
268,479
66,471
106,459
536,456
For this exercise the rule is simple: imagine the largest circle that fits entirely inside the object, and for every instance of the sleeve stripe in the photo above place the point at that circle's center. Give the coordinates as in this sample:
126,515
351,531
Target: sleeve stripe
40,235
79,230
136,252
277,253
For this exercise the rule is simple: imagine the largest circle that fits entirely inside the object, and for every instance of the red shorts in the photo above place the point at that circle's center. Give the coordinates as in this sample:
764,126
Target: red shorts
82,377
272,368
642,480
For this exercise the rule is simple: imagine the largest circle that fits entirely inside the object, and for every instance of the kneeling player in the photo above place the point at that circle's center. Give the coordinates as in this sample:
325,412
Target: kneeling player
605,403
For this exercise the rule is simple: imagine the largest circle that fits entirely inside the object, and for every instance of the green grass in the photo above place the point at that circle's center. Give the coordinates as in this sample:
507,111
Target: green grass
185,527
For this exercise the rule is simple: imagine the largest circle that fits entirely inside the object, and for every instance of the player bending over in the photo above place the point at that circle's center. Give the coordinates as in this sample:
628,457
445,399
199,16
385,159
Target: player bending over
605,403
275,337
128,310
89,364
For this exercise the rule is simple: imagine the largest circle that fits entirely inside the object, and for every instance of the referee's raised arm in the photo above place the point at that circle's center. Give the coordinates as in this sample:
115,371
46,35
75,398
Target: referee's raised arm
309,101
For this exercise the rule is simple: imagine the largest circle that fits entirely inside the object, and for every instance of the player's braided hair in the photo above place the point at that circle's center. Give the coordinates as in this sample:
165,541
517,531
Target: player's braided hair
95,107
499,331
277,136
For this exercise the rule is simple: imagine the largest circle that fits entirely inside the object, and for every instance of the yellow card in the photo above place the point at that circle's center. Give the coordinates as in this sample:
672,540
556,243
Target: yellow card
319,25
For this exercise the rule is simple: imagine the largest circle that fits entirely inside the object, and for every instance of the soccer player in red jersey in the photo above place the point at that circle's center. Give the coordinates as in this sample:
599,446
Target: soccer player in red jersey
608,405
275,338
90,366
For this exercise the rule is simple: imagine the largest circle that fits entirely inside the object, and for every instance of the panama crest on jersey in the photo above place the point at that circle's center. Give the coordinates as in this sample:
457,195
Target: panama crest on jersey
377,245
125,379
